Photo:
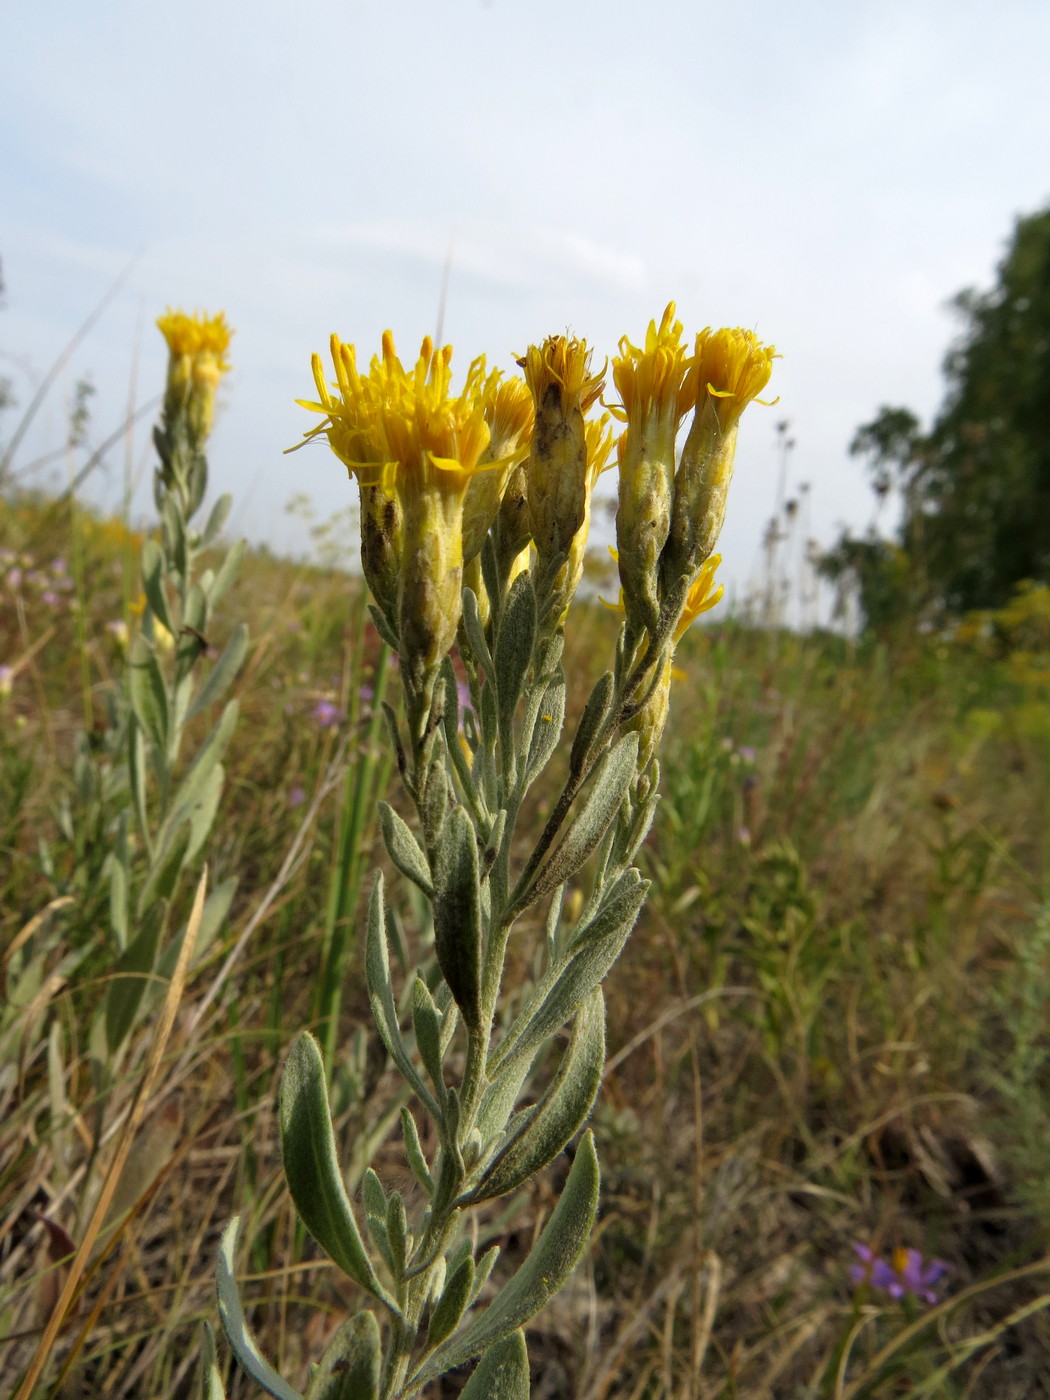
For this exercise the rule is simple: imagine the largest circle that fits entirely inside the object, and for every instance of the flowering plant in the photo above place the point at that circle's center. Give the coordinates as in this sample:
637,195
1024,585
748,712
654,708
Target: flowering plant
474,516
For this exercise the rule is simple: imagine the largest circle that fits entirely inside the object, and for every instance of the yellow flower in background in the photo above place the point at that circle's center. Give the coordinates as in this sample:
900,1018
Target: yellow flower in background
657,389
198,348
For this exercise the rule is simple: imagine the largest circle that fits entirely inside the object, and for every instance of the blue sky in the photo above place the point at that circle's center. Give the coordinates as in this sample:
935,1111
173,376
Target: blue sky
828,174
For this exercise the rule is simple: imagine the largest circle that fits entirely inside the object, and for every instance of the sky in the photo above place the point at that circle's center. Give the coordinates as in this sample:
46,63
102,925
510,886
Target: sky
826,174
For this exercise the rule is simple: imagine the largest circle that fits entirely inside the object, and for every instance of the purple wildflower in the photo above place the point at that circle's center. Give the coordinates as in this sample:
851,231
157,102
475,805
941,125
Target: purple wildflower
326,714
50,598
747,753
907,1272
296,796
7,677
14,579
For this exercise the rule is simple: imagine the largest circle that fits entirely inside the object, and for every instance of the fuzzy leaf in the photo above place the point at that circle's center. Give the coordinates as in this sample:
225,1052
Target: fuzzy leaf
548,729
457,915
513,652
238,1334
222,674
311,1167
168,859
453,1302
149,699
227,572
220,512
381,996
472,625
561,1112
611,781
414,1151
209,1384
426,1022
153,571
502,1373
404,850
189,793
595,710
553,1258
350,1367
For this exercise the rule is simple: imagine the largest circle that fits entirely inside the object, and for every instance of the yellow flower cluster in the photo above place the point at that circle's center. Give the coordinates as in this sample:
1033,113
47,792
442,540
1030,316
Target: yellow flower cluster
197,360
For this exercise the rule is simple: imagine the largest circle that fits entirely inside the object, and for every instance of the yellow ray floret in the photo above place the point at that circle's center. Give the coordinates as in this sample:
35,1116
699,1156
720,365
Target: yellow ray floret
402,428
563,363
657,376
197,335
731,367
702,597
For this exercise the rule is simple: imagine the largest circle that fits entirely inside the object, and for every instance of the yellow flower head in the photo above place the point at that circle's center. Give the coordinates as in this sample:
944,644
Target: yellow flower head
657,378
197,360
403,429
510,414
730,367
558,373
563,389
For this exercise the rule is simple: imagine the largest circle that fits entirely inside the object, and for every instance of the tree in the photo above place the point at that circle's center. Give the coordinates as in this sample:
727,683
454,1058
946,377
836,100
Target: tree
976,487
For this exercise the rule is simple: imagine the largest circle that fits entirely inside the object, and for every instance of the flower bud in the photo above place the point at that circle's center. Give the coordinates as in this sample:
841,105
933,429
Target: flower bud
197,347
563,389
656,392
729,369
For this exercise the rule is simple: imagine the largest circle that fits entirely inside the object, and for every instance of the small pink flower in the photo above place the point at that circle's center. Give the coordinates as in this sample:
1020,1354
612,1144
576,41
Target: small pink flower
907,1273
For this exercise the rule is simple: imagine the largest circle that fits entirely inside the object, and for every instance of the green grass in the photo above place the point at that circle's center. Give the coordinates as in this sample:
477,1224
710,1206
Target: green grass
829,1025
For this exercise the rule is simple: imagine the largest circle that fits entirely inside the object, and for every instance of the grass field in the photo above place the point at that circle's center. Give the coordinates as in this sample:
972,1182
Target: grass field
829,1027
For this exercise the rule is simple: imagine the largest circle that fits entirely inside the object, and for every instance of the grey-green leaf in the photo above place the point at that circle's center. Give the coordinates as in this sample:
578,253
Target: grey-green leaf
514,644
350,1367
149,698
235,1326
594,712
548,729
452,1304
561,1112
502,1373
404,850
457,915
132,976
220,512
210,1386
608,790
153,570
311,1167
227,572
222,674
553,1258
426,1022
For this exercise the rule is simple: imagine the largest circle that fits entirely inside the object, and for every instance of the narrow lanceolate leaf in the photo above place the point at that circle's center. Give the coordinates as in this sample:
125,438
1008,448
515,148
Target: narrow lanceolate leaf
381,996
513,651
205,759
238,1334
404,850
457,915
561,1112
227,572
426,1022
137,782
452,1304
472,625
502,1373
350,1367
132,976
583,967
414,1152
220,513
311,1167
153,571
222,674
548,729
608,790
168,860
209,1385
553,1258
595,710
149,699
